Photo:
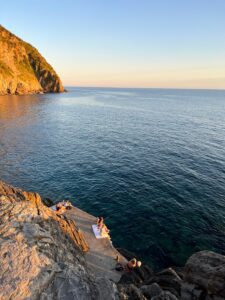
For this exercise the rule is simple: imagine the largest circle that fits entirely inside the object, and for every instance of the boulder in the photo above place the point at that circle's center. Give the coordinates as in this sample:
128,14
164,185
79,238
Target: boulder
130,292
206,270
168,280
166,295
151,290
130,278
191,292
137,276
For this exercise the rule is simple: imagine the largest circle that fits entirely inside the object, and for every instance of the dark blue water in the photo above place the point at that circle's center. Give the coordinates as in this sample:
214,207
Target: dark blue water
151,161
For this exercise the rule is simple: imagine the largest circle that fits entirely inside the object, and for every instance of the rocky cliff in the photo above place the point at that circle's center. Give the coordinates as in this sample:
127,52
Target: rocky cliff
42,254
22,68
42,257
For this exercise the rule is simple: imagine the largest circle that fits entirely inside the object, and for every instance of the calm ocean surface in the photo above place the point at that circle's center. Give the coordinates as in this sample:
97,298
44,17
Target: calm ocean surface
151,161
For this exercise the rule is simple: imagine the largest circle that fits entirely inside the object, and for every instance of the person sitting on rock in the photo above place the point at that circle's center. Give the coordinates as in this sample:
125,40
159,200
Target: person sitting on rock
69,205
133,263
104,230
60,208
100,222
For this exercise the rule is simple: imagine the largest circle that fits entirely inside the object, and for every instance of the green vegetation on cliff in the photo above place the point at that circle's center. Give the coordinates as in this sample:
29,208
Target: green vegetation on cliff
22,68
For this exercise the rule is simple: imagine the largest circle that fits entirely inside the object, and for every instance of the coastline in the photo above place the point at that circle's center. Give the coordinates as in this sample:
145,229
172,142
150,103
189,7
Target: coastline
48,259
33,93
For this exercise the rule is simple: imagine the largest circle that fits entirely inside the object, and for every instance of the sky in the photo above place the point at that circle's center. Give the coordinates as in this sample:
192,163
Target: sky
125,43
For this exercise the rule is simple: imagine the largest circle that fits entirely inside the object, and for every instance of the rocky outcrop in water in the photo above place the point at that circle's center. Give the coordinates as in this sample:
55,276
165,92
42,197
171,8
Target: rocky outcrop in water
205,274
22,68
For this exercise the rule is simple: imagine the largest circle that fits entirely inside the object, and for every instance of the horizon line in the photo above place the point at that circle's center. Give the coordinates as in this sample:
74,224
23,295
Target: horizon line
153,88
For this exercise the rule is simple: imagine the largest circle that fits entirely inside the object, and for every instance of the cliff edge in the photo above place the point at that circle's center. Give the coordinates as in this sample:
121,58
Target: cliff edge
43,257
42,253
22,68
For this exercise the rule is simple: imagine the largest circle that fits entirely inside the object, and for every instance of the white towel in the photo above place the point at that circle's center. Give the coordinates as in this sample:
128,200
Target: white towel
97,233
53,207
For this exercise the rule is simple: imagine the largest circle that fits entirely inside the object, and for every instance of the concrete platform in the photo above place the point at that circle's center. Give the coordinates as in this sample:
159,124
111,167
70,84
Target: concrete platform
101,256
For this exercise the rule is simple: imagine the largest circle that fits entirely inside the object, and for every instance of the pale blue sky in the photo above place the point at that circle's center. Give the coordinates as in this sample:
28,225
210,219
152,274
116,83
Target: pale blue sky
163,43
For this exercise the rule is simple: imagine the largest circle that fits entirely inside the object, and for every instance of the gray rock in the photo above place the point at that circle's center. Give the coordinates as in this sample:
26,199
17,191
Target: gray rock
191,292
206,269
168,280
137,276
150,291
166,295
213,298
130,292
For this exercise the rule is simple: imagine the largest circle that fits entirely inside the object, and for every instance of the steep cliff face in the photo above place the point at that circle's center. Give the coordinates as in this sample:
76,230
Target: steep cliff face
22,68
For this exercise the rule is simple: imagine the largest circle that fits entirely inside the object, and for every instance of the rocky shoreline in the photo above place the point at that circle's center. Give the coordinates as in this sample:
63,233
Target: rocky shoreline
202,277
43,257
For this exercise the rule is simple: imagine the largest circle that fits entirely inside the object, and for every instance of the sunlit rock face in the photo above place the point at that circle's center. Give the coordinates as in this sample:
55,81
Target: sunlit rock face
40,256
22,68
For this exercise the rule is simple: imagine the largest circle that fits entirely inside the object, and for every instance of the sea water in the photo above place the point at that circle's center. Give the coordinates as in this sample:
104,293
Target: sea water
151,161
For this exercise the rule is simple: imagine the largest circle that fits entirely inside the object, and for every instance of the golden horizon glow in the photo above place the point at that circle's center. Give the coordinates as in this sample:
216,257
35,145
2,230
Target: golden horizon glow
196,78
